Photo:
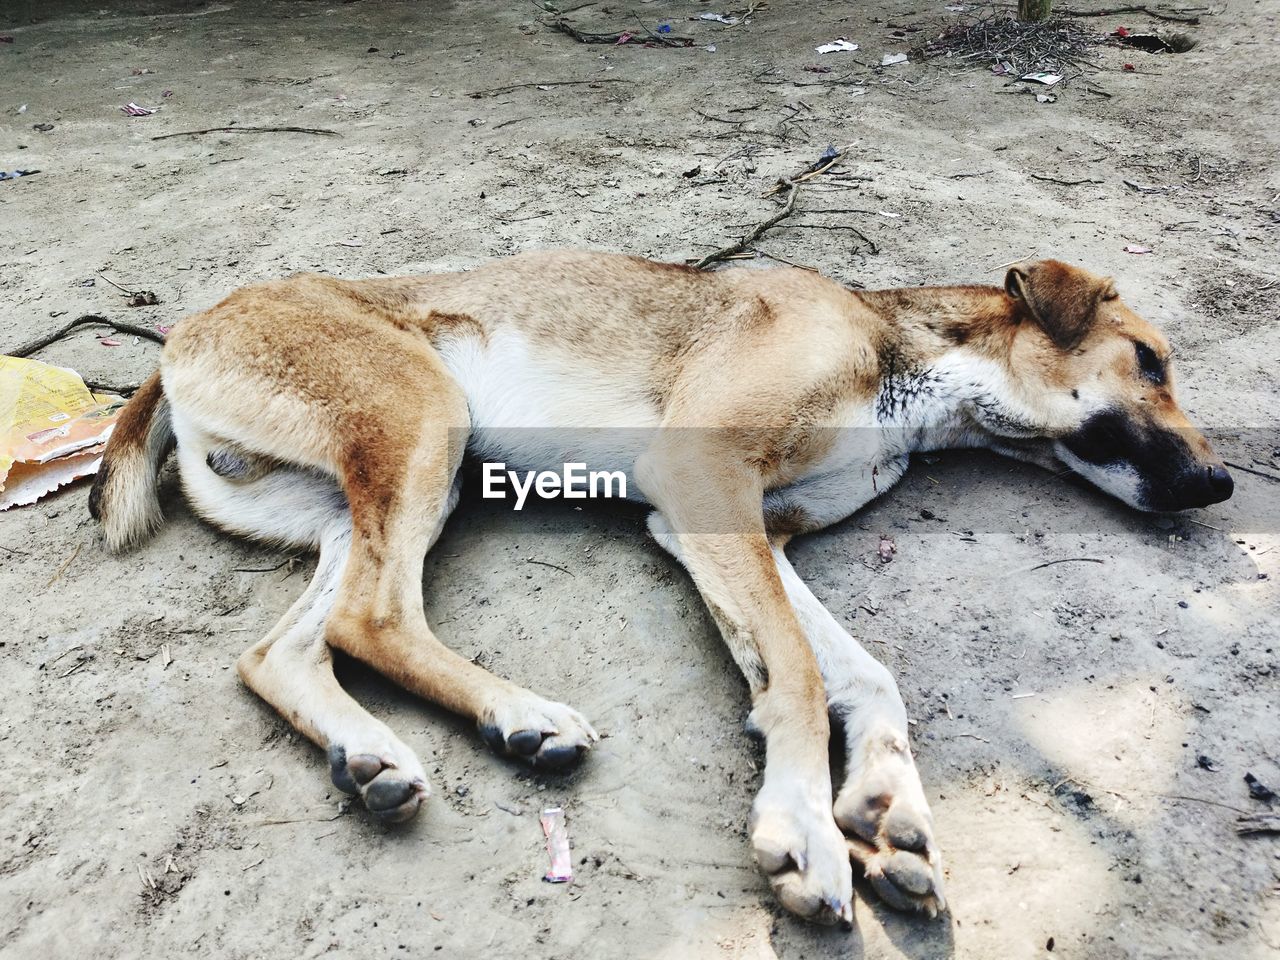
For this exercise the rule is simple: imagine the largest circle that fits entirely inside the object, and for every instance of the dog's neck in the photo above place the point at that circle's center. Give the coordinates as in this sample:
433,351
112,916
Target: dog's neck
945,379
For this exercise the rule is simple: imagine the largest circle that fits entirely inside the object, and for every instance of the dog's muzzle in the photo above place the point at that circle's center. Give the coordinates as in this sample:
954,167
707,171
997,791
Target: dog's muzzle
1169,474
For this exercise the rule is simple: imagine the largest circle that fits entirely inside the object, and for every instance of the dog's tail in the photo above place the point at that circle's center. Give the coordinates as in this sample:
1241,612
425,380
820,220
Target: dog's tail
125,496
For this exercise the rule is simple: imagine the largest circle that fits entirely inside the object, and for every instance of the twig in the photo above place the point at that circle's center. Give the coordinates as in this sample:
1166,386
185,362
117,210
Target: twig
65,563
708,116
1140,188
553,566
1201,523
561,25
791,263
79,664
1256,473
494,91
319,132
1065,183
276,823
90,318
283,563
1212,803
124,389
1050,563
818,168
871,244
117,286
73,647
754,235
1112,11
966,176
532,216
1258,824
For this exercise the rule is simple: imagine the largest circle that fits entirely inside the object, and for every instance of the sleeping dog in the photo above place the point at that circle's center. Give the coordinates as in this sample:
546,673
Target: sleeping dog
745,406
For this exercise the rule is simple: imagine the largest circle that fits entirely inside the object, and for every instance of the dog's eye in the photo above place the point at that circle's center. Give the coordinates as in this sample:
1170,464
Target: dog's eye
1149,365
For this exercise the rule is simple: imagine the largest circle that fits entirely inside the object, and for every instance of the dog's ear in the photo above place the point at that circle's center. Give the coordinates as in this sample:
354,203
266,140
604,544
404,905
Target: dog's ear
1063,300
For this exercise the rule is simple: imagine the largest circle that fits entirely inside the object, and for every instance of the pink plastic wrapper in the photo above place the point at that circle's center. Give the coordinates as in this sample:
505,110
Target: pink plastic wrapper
557,836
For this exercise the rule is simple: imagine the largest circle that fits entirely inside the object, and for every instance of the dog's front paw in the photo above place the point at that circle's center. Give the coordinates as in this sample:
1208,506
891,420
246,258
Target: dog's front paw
802,852
883,813
546,734
387,777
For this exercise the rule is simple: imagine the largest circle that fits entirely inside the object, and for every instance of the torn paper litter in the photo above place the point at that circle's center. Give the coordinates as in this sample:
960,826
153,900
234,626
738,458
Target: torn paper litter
52,428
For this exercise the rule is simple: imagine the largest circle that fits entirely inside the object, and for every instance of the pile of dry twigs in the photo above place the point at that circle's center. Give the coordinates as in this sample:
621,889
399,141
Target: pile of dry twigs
1059,45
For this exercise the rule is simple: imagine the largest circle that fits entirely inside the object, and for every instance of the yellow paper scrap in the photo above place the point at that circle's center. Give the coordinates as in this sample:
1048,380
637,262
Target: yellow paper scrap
49,424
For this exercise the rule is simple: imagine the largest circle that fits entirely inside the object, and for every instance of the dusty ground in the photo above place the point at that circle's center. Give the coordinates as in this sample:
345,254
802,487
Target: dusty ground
155,810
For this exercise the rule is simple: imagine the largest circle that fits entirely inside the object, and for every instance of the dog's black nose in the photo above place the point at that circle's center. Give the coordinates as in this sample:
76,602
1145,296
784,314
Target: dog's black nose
1221,486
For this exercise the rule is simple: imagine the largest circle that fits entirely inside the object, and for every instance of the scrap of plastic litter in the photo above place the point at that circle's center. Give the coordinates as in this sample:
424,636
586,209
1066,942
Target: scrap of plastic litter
557,836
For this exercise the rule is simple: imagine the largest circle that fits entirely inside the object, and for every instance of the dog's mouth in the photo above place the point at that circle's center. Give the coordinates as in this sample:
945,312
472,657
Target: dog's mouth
1149,468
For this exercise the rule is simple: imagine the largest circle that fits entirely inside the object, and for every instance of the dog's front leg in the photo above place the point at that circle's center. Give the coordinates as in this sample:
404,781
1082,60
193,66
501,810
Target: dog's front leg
881,807
718,534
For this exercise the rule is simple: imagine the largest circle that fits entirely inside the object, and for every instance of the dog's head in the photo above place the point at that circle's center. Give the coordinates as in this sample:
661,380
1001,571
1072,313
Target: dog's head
1105,382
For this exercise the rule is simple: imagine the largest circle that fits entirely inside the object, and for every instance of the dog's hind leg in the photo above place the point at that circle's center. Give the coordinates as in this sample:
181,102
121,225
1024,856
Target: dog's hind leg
292,669
397,471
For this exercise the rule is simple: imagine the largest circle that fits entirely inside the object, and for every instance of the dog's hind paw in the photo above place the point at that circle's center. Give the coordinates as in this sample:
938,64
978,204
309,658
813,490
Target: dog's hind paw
392,789
548,735
886,820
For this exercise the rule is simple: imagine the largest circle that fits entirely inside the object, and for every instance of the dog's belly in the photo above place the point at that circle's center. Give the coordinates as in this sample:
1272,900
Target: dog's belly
533,409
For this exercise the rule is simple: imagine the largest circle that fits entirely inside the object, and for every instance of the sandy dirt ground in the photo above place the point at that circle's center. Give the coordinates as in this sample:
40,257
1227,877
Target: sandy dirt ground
1083,729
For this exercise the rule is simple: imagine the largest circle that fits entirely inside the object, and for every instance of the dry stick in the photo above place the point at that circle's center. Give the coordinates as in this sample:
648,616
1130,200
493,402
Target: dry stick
1211,803
1041,566
117,286
494,91
782,259
820,168
553,566
1140,188
561,25
535,216
1256,473
102,386
90,318
666,39
871,244
708,116
755,234
283,563
1257,824
1065,183
192,133
1112,11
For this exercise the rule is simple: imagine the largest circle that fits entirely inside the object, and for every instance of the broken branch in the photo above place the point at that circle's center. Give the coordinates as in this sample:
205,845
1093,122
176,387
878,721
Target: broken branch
319,132
754,235
88,319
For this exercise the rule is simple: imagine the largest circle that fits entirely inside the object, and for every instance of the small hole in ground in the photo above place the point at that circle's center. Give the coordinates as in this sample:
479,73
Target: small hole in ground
1159,42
